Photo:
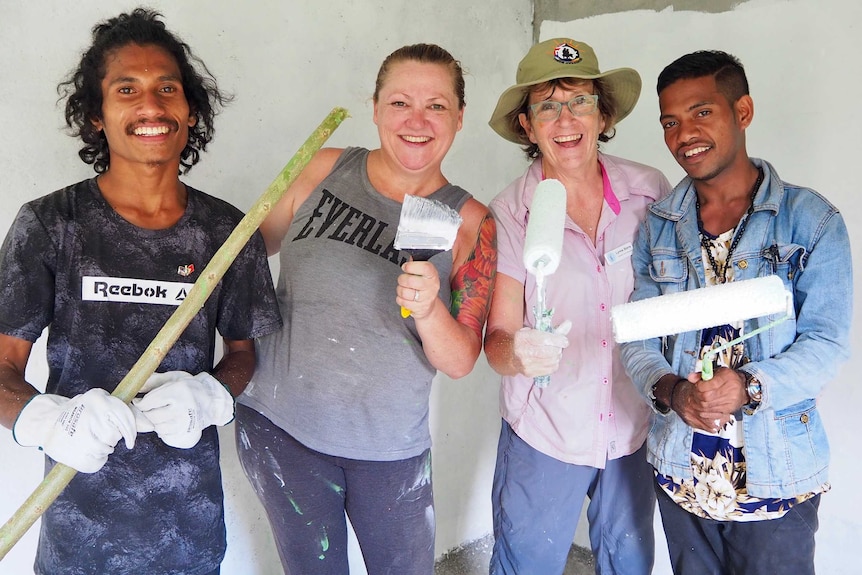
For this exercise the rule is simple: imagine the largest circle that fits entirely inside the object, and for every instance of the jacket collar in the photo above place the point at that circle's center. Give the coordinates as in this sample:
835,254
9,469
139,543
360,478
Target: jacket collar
682,200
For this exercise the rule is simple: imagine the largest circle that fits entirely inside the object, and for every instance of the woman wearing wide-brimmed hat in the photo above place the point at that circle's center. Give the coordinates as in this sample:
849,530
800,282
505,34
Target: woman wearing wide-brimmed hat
582,435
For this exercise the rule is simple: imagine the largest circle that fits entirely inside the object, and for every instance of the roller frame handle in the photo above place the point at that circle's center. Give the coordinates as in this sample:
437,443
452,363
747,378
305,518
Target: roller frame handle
543,321
706,371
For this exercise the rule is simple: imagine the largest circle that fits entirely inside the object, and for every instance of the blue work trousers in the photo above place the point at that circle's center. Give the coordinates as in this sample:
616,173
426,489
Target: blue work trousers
537,503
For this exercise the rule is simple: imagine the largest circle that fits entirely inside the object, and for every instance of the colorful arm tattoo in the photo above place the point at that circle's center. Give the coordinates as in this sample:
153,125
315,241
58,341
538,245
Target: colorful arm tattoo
474,281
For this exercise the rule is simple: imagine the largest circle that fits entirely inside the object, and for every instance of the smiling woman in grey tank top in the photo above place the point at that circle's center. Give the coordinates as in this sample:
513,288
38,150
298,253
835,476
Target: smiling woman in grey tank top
335,419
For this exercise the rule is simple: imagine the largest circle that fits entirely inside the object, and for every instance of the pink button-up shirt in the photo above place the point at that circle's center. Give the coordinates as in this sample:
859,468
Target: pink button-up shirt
591,411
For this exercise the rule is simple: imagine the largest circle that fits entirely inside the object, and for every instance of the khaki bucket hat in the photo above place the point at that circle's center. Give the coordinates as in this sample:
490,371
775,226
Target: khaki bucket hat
563,58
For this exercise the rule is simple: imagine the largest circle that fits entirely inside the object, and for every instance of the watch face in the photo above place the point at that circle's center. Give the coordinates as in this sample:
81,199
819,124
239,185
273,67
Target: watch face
754,389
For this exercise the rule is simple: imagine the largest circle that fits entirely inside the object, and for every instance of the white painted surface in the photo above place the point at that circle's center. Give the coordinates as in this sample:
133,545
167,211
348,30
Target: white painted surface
289,63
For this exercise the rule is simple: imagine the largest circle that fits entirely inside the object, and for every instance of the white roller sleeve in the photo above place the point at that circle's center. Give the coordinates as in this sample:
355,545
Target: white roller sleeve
543,245
701,308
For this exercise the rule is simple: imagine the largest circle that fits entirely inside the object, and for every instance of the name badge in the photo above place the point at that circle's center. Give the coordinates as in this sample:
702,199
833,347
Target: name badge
621,253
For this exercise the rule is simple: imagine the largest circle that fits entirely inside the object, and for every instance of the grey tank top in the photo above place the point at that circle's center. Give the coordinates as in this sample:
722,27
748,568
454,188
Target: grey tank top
346,375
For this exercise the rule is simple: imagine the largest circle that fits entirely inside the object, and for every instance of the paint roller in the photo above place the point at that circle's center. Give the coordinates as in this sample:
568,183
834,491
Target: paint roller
543,247
701,308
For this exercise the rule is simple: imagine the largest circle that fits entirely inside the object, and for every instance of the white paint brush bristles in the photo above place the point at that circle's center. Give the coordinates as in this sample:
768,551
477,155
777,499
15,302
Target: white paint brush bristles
543,245
701,308
426,224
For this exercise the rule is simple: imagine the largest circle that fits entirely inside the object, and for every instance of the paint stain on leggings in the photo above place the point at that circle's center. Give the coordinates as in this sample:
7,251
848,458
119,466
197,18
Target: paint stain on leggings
324,544
335,487
423,478
295,505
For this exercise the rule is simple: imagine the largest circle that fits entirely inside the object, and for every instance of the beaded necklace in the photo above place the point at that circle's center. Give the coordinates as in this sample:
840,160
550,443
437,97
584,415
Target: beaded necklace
721,275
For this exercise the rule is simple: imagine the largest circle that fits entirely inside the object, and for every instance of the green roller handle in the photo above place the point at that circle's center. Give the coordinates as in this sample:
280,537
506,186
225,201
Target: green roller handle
706,370
60,476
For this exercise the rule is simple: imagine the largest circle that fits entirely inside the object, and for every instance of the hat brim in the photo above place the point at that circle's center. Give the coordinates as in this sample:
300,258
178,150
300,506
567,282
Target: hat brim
624,84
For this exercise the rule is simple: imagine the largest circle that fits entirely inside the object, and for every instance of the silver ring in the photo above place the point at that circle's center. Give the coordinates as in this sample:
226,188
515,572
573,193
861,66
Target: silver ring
415,295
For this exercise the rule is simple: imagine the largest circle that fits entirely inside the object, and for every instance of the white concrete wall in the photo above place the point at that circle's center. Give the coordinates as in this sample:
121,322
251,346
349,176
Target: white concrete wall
801,57
290,62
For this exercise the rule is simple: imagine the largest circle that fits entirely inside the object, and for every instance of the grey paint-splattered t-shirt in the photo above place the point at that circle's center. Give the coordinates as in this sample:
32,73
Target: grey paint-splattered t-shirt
105,288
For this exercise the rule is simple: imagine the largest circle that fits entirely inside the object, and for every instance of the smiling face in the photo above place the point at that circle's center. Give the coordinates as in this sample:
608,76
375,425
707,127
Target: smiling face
702,129
569,143
417,114
145,114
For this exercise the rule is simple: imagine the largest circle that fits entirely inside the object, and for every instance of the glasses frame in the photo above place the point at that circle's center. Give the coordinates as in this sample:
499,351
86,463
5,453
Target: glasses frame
559,107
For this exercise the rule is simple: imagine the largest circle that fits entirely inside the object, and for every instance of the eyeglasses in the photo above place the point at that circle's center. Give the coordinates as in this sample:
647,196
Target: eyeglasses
549,110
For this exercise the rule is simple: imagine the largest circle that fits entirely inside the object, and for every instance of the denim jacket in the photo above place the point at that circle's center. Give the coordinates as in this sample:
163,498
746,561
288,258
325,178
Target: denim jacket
798,235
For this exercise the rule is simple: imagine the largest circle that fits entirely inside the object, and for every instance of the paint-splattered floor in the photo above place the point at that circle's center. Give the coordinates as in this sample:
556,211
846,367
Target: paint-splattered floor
473,560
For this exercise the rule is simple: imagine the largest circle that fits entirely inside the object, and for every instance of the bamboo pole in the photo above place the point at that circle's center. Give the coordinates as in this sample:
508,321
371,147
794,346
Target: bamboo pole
60,476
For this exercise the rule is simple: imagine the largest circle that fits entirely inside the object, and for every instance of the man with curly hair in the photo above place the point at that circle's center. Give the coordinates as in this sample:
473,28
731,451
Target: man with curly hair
103,264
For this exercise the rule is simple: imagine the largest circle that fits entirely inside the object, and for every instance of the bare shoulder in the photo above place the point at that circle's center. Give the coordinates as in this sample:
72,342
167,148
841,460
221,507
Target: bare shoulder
276,224
314,173
473,213
324,159
477,232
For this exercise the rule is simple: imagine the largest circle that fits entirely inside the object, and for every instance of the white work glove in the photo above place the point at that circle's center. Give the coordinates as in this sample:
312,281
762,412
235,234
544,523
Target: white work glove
180,405
539,352
80,432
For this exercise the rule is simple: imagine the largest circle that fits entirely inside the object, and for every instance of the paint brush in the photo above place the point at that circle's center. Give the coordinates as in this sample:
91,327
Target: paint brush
426,227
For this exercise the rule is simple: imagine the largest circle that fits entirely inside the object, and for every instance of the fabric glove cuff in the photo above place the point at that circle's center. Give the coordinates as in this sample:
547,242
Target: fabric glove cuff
221,406
31,427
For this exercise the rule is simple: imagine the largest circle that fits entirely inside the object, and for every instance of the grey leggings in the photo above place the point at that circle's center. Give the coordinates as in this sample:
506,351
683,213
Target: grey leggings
306,494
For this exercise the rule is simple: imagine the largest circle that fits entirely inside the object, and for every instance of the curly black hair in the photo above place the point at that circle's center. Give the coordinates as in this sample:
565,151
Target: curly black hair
83,88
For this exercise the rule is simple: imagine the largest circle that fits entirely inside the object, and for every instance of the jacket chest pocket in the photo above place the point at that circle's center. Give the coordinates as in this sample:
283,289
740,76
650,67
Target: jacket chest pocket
785,260
669,272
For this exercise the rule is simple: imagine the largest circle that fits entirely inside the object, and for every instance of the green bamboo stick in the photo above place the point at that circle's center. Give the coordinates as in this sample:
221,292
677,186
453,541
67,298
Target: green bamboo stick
60,476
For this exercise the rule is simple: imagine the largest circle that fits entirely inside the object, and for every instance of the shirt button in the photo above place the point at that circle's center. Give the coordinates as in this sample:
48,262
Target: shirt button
604,343
804,418
743,264
604,381
603,307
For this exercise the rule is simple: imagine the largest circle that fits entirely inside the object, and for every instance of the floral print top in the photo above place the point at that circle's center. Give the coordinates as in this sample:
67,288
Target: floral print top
717,489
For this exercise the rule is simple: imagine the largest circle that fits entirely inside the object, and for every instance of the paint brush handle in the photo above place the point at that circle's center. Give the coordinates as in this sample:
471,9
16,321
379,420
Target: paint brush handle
417,256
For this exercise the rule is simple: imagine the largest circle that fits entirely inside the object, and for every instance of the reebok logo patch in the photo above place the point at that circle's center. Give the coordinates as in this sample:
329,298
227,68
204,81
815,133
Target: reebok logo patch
128,290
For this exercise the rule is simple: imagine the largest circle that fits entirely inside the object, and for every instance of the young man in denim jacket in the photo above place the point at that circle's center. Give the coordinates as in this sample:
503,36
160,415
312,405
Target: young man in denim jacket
741,459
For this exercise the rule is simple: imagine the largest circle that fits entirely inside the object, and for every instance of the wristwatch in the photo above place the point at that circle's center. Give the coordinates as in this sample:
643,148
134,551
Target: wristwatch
754,390
657,403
